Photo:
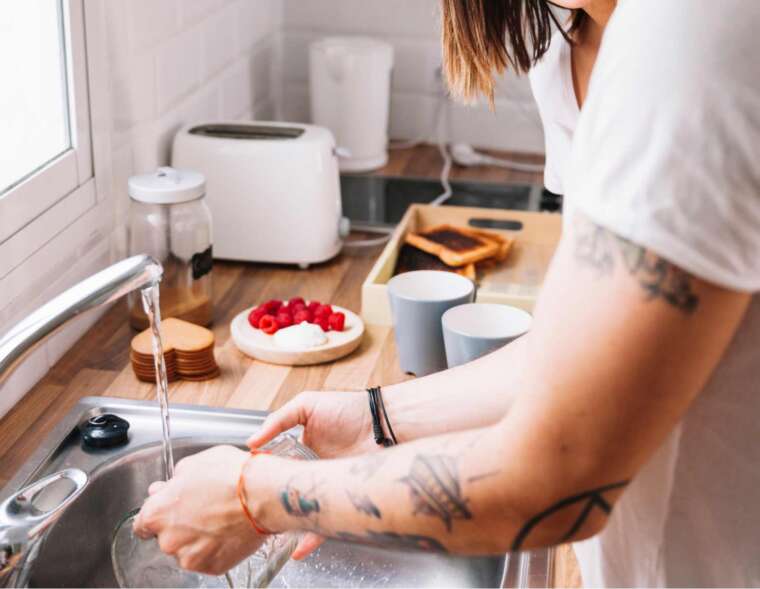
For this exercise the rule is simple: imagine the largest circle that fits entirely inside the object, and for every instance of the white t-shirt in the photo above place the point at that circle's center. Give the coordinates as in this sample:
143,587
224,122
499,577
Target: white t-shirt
551,80
667,154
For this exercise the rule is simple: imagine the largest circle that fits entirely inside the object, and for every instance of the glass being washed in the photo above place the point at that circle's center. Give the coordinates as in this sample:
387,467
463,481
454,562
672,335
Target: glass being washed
140,563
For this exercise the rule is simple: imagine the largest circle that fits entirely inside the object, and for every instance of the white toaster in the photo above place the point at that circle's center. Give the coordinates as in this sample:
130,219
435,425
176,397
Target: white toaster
273,189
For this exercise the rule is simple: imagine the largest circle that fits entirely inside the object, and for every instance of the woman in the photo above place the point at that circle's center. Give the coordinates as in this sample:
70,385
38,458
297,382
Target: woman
634,389
559,64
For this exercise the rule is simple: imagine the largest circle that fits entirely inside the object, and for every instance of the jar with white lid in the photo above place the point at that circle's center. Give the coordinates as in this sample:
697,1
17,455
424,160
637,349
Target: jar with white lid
169,220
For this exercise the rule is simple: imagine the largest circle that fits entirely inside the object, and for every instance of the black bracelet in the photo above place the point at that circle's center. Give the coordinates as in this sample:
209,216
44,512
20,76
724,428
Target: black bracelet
376,405
385,414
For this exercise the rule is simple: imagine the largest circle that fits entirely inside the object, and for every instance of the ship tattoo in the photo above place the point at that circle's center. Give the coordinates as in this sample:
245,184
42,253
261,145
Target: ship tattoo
435,490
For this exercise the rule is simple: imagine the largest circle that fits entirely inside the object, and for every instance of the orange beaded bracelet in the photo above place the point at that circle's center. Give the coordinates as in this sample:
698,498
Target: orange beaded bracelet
242,498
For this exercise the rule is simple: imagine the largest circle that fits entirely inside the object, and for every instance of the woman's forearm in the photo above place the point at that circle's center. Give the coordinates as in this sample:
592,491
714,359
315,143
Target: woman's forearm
465,397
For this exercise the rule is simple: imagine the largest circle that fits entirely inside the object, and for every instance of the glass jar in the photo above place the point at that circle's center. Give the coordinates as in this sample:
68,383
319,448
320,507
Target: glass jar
169,220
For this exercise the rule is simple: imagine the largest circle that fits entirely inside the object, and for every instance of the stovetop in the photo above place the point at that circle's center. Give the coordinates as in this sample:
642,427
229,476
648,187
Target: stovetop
382,201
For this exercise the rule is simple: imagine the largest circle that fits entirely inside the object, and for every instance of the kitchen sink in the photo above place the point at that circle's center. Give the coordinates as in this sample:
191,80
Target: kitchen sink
76,550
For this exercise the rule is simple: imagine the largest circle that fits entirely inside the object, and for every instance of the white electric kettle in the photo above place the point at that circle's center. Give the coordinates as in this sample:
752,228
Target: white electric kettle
350,81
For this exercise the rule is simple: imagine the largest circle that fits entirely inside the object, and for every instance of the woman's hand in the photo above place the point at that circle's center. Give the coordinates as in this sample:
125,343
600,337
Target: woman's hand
336,424
197,516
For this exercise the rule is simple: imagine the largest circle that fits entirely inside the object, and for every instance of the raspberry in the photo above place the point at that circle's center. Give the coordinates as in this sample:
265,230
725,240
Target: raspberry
313,306
296,301
272,305
284,320
302,315
286,309
268,324
254,317
324,322
297,307
337,321
323,311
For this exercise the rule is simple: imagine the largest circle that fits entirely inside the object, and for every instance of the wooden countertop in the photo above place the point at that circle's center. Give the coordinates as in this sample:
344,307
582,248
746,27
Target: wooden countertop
98,364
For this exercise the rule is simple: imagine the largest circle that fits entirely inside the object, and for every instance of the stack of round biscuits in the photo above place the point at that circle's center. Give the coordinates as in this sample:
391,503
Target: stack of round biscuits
188,352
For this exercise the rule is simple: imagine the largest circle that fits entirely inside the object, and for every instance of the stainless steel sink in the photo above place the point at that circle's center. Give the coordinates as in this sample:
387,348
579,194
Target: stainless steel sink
75,552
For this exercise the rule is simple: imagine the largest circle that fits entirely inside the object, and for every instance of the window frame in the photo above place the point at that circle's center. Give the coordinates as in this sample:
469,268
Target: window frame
65,181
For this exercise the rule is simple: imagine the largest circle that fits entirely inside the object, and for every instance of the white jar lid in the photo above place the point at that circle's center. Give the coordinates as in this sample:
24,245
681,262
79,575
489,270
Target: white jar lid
167,186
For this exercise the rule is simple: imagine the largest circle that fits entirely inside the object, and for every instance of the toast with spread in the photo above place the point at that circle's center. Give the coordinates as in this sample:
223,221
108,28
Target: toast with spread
411,258
455,246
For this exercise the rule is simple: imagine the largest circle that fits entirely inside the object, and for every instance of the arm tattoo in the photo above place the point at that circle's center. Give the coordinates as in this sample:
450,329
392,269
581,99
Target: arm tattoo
596,247
394,540
435,489
589,499
298,503
363,504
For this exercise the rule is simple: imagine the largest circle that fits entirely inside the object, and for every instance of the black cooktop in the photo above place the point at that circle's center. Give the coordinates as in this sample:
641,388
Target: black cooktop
380,200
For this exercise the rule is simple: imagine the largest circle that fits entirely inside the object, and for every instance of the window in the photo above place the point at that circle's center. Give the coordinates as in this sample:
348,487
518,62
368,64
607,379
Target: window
45,154
35,99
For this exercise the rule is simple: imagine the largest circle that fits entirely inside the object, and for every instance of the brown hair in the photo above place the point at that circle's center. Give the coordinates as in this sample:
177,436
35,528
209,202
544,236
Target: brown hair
481,38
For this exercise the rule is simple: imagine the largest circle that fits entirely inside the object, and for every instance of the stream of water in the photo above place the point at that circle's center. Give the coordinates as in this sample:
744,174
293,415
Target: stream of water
150,300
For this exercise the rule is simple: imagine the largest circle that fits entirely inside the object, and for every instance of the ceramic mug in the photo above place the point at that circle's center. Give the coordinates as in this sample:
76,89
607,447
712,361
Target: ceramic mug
474,330
418,301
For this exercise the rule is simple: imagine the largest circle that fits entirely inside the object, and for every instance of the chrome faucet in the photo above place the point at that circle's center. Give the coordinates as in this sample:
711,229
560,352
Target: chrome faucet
22,523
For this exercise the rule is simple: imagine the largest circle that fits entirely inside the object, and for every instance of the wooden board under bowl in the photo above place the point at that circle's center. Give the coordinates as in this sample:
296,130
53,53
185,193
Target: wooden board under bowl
516,281
257,344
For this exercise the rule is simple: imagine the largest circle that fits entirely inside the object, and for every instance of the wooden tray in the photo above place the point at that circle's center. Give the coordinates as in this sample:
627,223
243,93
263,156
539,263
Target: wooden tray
516,281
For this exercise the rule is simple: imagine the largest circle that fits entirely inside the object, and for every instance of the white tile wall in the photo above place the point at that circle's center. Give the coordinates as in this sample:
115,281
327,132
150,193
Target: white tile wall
169,63
185,61
413,28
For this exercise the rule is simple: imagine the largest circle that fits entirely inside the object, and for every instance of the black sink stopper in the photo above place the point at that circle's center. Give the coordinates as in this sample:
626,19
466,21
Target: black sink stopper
105,431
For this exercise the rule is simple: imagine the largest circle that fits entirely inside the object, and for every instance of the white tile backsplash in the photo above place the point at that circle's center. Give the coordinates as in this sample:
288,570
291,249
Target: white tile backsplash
165,63
220,40
150,22
181,61
413,28
193,11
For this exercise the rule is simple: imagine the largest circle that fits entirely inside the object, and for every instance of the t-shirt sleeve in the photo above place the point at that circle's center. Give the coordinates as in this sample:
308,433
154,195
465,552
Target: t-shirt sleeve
667,149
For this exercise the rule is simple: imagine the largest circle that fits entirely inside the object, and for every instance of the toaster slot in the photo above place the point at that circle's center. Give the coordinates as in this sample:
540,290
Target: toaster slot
244,131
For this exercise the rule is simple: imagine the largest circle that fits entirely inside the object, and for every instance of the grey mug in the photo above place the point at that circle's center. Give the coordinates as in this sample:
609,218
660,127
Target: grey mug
474,330
418,301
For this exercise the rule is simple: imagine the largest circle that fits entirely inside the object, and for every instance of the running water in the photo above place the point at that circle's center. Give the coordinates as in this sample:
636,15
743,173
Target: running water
150,300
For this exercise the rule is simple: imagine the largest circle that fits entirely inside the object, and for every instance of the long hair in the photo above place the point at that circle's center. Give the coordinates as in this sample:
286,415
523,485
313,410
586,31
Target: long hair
481,38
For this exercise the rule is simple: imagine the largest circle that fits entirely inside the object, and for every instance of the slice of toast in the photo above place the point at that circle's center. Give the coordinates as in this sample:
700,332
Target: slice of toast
455,246
505,243
411,258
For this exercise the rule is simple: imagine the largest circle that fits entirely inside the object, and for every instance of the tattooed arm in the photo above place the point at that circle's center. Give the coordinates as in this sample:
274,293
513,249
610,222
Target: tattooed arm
622,342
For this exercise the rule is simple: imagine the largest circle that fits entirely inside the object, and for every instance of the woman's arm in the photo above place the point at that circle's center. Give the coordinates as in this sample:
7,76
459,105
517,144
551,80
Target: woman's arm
621,344
338,424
